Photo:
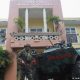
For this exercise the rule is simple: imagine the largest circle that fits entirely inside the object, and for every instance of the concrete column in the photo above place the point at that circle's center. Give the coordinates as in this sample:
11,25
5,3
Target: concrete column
45,20
26,21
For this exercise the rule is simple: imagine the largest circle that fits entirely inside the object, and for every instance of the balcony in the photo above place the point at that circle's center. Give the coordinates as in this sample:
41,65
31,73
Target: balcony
34,39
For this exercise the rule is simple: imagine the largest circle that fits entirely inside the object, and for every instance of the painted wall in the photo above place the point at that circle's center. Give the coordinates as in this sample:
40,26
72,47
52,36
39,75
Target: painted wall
78,29
78,33
35,23
38,23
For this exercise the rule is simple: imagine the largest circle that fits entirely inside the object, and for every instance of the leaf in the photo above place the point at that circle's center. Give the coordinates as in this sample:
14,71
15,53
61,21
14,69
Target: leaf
20,23
54,19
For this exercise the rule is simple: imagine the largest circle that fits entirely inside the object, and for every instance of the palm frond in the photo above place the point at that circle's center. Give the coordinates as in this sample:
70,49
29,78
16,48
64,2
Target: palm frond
20,23
54,19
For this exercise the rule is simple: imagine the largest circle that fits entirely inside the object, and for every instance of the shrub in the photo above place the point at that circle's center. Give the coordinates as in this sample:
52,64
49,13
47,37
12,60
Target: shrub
5,61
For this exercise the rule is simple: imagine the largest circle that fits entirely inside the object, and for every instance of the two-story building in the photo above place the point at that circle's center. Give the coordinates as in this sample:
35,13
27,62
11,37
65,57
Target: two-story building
72,27
38,32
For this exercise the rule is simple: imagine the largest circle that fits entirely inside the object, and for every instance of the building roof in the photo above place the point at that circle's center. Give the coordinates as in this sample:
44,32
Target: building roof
3,19
3,22
72,21
78,18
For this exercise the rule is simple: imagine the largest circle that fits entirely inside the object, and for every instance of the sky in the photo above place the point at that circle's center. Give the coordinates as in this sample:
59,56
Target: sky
70,8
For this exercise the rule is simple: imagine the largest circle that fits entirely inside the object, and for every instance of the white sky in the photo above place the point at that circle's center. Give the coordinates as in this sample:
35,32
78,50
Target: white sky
71,8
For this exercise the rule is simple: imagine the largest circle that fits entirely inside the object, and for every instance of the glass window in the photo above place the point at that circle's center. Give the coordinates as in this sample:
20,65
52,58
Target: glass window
2,35
70,30
32,30
36,30
71,35
71,38
39,30
67,30
2,30
73,30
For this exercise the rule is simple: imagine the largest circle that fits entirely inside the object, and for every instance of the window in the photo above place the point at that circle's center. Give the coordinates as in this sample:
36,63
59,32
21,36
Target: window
36,30
39,30
32,30
2,35
2,31
67,30
71,35
70,30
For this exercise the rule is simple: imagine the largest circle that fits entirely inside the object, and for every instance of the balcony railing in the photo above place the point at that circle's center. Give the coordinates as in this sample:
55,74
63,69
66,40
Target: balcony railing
35,36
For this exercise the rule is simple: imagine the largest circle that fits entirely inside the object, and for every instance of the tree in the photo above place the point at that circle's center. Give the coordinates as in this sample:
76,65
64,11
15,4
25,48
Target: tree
5,61
20,23
56,25
55,20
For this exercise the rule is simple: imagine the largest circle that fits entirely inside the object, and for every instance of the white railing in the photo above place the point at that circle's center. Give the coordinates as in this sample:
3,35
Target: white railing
35,36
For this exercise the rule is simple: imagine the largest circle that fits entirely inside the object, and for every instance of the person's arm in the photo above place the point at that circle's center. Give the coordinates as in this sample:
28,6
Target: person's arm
21,61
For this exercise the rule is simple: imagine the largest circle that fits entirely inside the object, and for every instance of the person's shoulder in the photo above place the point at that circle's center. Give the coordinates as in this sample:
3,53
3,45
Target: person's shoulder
22,51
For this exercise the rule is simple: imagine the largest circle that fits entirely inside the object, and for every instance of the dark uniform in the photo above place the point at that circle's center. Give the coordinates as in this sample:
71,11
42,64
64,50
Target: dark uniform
26,58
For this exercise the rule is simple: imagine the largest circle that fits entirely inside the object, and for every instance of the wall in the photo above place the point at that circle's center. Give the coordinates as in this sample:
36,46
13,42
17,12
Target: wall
38,23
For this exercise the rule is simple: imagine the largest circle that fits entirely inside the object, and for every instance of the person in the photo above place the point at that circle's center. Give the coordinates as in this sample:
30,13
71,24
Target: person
62,44
26,58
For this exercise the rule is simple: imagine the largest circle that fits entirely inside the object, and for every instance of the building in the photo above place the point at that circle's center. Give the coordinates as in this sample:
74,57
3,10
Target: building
72,27
37,31
3,26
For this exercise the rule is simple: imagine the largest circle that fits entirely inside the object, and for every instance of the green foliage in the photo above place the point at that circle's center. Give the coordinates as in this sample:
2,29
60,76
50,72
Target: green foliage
1,50
20,23
54,19
5,60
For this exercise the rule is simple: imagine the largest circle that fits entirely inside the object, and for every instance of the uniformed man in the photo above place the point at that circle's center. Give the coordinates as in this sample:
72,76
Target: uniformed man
26,58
